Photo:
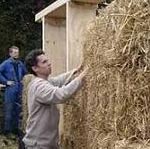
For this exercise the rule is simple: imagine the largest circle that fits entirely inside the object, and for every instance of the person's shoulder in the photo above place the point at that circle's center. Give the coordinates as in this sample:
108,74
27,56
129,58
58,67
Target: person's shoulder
37,82
20,62
6,61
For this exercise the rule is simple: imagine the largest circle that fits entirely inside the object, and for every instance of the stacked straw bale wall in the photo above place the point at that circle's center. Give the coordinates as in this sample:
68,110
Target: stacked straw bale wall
114,104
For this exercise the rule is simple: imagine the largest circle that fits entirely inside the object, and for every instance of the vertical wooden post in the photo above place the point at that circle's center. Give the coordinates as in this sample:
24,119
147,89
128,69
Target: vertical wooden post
43,33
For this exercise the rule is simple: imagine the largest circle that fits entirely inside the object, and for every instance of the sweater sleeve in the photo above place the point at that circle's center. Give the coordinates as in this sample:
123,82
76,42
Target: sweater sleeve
3,80
62,79
48,94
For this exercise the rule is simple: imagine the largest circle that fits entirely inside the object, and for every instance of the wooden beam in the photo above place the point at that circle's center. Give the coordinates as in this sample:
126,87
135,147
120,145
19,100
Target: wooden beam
50,8
43,33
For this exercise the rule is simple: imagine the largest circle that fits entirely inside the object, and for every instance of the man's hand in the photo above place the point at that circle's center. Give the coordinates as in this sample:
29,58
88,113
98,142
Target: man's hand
9,83
78,69
84,72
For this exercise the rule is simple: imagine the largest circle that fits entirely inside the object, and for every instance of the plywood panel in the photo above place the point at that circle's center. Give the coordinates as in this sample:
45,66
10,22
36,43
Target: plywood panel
55,44
78,17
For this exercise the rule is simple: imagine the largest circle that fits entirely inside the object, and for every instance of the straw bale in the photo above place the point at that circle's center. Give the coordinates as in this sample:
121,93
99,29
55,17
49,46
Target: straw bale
27,78
6,143
114,103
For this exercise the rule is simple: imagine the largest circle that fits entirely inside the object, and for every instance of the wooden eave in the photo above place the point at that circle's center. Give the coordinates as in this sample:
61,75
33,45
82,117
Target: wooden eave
57,9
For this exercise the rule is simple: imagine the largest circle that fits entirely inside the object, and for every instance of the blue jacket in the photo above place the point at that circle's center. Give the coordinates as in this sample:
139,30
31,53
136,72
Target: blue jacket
7,71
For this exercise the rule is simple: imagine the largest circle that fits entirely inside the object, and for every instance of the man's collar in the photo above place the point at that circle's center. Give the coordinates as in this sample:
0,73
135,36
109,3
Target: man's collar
14,60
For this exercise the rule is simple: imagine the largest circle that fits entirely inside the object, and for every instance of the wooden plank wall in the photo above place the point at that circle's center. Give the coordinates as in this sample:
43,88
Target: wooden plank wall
78,18
55,43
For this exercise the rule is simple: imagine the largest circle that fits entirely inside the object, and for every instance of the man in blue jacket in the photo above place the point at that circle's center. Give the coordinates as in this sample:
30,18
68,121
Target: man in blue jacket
12,71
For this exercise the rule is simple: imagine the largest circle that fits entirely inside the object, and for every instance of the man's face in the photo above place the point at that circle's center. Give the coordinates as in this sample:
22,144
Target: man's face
14,53
43,66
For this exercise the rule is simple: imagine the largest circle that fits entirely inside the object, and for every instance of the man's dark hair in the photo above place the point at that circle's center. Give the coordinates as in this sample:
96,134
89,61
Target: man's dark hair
31,60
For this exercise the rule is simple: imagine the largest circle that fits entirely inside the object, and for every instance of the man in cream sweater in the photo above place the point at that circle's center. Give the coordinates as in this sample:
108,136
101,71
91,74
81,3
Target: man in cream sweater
43,96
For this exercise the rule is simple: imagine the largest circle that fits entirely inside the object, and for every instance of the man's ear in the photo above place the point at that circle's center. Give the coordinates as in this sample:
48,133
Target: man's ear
34,68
